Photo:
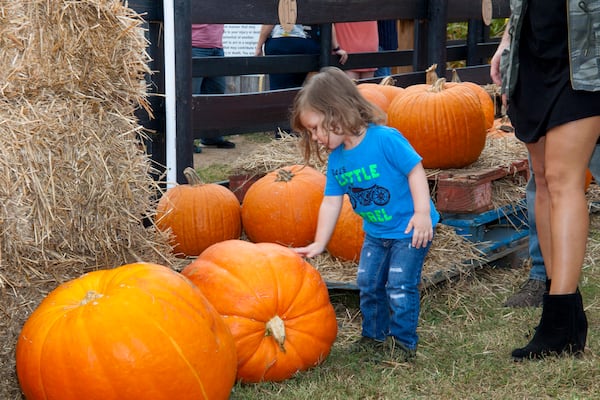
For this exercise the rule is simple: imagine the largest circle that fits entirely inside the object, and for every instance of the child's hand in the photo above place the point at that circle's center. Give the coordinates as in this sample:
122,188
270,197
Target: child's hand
313,249
422,228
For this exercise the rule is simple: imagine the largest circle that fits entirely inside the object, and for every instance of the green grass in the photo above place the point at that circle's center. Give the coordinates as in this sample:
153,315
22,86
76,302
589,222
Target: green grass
214,172
466,337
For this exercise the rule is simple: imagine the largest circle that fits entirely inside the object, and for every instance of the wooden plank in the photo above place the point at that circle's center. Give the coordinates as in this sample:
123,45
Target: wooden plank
256,112
318,11
309,11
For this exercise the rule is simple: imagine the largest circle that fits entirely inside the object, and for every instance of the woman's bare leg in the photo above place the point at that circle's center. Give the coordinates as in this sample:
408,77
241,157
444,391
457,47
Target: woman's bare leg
568,149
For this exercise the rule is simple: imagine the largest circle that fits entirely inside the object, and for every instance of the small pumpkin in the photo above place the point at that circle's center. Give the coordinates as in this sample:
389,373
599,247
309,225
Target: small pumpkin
283,206
139,331
275,303
198,215
348,236
445,124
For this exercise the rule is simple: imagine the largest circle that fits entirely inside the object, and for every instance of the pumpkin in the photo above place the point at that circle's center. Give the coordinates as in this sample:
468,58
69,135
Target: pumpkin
139,331
348,236
445,124
487,103
374,97
275,303
386,87
283,206
198,215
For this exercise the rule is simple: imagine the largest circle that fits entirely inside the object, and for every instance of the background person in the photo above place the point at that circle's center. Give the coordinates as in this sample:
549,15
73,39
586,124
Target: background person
207,41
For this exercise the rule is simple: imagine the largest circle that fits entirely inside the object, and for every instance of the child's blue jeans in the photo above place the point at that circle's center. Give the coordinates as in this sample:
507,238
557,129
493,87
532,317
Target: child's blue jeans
389,274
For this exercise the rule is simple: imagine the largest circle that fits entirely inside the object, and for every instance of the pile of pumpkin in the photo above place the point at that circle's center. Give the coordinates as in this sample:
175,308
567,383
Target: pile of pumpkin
242,310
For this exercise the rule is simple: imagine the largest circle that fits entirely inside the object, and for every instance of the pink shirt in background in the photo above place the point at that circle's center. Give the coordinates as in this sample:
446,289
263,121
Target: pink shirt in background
358,37
207,36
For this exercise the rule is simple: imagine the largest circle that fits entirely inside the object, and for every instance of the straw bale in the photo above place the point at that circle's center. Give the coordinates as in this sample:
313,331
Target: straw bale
76,186
92,49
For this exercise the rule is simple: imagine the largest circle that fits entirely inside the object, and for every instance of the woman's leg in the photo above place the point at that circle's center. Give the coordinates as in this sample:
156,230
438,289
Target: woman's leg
569,148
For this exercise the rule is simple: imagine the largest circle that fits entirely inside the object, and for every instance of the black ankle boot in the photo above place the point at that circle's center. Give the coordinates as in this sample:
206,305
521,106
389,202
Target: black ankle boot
562,328
580,321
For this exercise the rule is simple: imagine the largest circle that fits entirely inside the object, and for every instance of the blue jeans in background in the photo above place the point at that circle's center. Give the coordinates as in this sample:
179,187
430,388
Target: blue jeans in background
208,85
287,46
389,274
382,71
538,269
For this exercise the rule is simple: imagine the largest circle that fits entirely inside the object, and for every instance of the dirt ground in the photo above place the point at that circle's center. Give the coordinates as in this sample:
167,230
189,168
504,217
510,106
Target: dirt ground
212,155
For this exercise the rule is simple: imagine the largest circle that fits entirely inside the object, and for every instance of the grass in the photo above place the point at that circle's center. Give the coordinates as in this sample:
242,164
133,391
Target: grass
217,172
466,337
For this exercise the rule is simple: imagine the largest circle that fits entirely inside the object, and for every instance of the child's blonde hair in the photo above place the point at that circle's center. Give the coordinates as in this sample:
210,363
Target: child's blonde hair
332,93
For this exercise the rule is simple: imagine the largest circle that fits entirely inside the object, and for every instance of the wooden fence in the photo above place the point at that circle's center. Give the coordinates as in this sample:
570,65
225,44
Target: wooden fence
209,115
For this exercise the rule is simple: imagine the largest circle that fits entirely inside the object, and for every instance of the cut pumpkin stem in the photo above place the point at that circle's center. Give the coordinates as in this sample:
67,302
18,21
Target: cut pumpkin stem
276,328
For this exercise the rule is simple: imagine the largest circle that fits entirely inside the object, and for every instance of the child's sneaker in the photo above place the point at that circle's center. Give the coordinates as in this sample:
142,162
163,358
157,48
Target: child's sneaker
367,345
397,352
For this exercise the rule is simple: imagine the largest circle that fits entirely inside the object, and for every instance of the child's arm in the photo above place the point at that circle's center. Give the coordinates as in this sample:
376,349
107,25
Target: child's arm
420,223
328,216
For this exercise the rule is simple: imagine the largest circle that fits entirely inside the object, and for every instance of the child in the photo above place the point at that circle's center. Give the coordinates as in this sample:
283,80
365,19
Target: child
385,180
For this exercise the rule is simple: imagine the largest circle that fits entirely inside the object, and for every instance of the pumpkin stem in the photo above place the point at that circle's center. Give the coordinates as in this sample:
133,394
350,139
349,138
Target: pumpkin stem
276,328
431,75
455,77
284,175
91,296
438,86
388,80
192,177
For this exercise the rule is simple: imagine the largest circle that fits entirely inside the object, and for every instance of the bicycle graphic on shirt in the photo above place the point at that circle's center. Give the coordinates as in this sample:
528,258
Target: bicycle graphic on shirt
374,194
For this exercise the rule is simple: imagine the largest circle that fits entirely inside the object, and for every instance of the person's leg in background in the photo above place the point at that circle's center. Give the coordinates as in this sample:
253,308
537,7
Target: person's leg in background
210,85
531,293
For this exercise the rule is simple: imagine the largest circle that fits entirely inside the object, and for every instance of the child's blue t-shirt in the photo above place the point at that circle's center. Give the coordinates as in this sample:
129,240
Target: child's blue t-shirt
374,174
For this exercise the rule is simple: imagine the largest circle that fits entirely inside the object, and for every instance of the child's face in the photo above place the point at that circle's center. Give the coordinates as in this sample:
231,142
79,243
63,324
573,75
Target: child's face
313,122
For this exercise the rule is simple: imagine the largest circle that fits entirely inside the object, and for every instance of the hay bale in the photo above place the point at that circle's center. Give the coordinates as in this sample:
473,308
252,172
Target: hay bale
76,186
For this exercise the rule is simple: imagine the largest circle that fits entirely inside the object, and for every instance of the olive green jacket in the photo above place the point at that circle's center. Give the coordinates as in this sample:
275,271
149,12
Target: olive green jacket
584,45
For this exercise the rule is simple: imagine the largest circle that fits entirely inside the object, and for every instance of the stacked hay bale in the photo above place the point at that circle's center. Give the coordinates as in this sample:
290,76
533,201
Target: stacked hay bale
75,182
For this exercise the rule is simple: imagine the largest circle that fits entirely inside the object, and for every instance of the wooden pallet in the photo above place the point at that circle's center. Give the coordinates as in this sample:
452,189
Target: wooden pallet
471,191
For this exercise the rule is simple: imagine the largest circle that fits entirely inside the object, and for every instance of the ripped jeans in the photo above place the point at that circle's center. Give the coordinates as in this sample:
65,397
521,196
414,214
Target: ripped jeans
389,274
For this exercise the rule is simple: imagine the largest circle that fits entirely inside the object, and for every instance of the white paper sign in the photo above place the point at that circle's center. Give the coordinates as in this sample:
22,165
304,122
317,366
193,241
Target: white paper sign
240,40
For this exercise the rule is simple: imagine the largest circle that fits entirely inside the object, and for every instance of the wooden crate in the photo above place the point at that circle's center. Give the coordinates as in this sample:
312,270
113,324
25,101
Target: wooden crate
471,191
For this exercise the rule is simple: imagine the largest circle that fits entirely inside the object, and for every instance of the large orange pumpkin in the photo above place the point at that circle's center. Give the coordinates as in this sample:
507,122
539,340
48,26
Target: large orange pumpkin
275,303
140,331
198,215
445,124
283,206
487,103
348,236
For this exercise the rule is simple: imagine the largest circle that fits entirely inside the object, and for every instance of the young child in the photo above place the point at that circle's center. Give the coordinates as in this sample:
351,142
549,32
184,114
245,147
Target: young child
383,176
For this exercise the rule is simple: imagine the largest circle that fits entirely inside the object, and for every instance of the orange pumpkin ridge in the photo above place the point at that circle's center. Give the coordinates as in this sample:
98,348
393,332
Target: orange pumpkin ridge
445,124
276,305
124,334
283,206
198,215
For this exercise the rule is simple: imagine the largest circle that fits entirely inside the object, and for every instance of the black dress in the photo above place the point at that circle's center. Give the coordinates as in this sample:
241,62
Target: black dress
543,97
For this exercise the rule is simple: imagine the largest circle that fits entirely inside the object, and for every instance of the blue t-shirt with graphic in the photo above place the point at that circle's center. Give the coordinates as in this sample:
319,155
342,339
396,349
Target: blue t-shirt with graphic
374,174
